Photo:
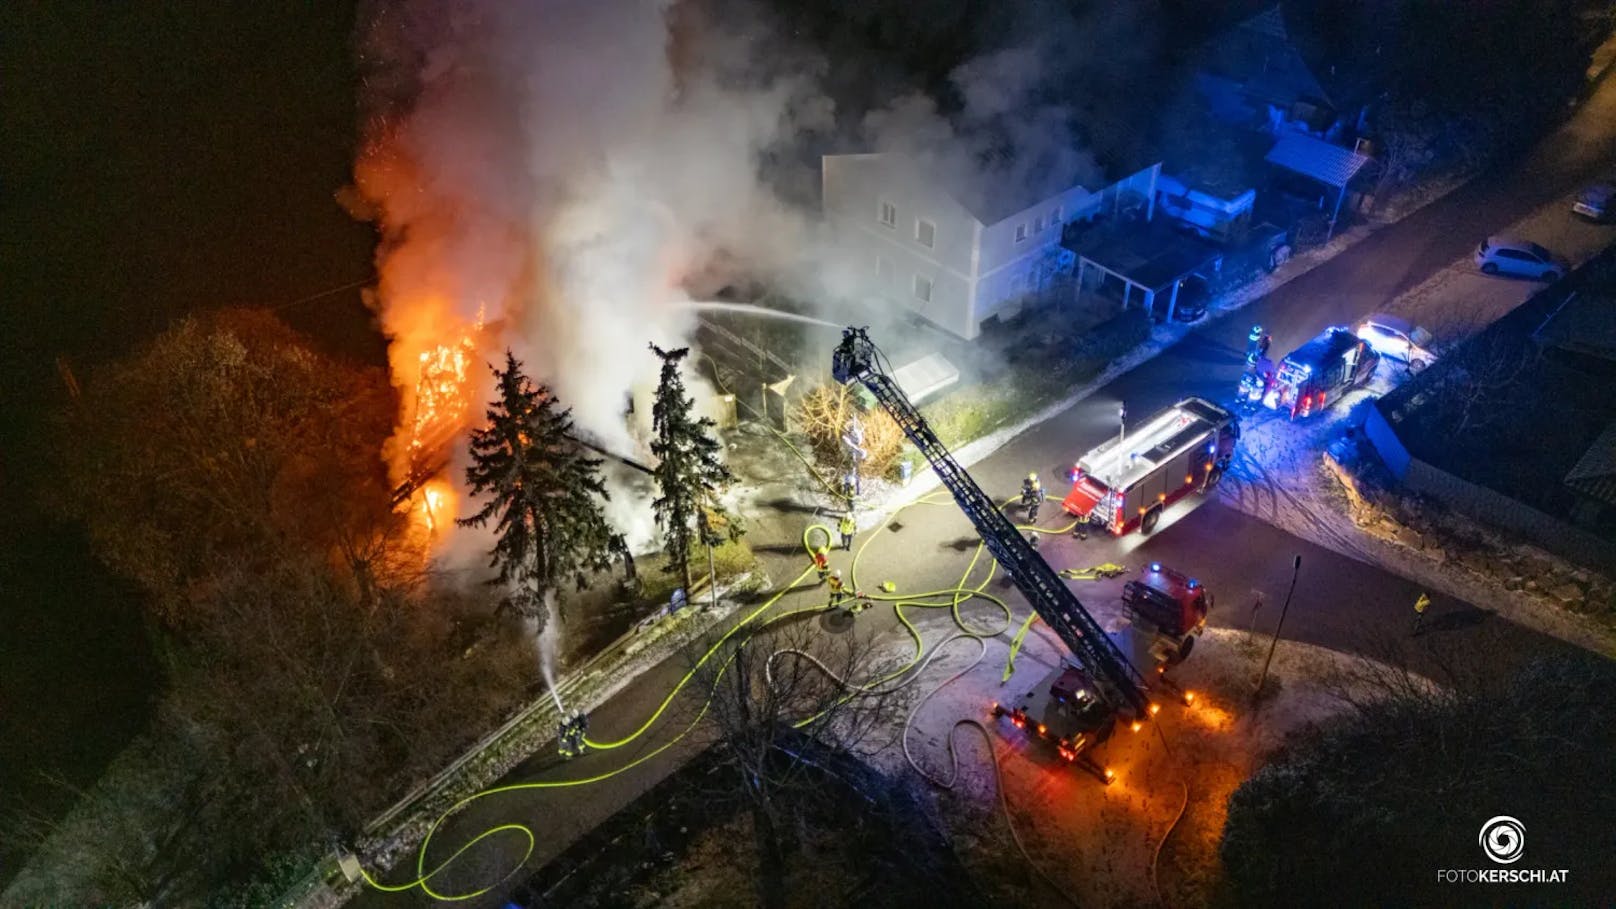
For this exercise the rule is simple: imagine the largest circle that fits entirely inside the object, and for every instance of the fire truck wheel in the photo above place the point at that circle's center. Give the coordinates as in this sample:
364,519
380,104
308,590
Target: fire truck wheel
1149,522
1212,478
1184,649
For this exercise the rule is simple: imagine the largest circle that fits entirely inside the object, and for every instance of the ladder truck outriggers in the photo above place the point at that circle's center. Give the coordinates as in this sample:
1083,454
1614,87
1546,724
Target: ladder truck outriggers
1081,702
1129,480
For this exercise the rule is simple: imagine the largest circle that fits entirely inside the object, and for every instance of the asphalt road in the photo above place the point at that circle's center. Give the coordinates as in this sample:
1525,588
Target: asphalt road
1340,603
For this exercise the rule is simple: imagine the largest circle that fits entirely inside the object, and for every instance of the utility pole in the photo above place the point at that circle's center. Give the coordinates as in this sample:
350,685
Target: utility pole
1296,570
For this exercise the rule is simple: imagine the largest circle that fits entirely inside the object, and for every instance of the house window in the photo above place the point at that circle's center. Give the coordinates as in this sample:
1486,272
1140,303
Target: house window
925,233
1038,225
889,214
1054,216
922,288
1021,232
883,271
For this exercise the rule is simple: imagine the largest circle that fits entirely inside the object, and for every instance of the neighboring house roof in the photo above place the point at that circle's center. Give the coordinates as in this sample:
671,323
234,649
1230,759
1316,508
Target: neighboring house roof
1260,56
989,195
1329,164
1148,255
1586,324
994,196
1595,473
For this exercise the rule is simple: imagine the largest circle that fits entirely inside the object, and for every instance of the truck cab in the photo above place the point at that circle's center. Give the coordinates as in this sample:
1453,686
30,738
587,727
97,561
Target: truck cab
1169,606
1066,709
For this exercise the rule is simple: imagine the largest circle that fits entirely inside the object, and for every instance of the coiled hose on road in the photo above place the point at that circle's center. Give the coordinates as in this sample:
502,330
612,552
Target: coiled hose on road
950,598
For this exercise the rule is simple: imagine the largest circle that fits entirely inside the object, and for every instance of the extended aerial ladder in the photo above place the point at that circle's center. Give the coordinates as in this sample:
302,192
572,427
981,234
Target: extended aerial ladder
856,359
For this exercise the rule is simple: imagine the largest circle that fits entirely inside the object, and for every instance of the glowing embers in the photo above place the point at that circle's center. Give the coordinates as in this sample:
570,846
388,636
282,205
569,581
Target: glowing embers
442,398
436,506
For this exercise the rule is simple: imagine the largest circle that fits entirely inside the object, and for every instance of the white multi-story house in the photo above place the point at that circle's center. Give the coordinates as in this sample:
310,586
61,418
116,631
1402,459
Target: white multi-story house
907,240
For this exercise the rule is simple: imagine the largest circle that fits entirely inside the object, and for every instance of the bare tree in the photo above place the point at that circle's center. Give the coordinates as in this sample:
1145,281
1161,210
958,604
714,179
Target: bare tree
1480,379
785,703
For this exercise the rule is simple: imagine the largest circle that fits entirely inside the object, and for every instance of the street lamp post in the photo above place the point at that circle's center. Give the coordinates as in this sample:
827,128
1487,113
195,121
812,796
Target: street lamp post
1296,570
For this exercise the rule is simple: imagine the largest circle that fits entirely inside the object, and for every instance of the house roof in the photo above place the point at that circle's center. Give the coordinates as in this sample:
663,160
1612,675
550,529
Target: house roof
987,194
1586,324
1329,164
1595,472
1149,255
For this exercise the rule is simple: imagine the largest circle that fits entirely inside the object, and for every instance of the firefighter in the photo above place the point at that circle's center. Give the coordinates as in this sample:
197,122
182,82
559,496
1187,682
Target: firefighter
838,591
822,563
1263,345
1032,496
1420,605
570,740
1253,341
847,527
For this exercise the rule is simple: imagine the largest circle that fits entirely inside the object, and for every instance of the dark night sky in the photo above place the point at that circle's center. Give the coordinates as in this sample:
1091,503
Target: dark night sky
158,159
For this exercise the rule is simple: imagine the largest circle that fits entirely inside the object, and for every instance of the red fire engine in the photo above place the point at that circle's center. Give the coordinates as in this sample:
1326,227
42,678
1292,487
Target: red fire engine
1128,481
1171,608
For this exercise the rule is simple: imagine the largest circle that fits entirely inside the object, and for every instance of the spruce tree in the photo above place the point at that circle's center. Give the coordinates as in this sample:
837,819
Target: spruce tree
689,474
542,493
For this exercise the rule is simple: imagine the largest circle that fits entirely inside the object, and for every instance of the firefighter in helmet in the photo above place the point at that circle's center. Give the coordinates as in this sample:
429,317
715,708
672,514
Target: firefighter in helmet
822,563
847,527
1032,496
838,590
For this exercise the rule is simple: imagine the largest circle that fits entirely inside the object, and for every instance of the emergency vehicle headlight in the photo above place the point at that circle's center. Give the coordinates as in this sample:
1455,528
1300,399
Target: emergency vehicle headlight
1155,566
1155,709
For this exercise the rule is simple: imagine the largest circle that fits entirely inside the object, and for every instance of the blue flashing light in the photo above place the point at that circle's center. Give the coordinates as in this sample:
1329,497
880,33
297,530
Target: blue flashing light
1212,447
1194,583
1155,566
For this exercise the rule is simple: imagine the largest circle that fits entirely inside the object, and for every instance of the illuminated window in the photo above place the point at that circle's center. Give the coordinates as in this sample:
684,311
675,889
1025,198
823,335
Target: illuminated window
925,233
889,214
922,288
1021,232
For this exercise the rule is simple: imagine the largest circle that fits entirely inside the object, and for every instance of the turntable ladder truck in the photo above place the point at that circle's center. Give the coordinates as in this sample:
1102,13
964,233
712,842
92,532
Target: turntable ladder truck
856,359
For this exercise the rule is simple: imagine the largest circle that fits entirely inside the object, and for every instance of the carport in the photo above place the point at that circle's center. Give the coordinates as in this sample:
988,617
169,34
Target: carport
1145,257
1321,162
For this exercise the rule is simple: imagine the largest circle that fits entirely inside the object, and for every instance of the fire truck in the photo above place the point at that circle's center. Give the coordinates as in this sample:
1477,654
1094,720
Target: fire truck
1097,685
1128,481
1313,376
1170,608
1168,611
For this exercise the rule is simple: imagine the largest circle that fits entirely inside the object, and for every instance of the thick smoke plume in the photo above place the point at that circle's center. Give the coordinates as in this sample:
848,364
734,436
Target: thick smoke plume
561,166
560,171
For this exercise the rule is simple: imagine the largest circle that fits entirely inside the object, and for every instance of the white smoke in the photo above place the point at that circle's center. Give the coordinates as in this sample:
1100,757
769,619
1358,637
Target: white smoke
563,173
566,167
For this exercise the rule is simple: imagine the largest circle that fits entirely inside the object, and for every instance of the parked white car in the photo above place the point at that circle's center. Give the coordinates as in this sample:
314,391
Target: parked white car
1521,258
1397,339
